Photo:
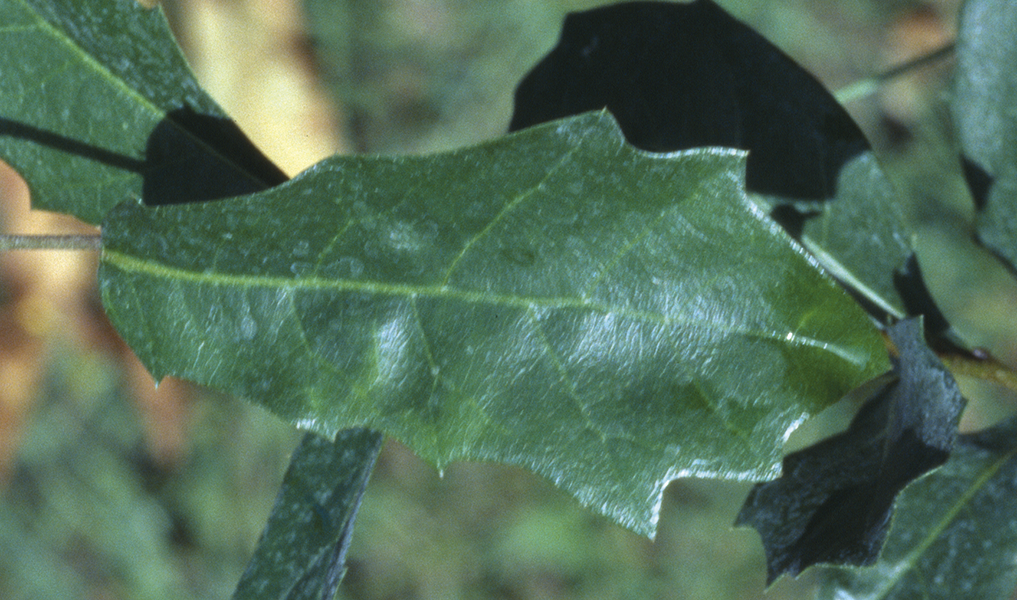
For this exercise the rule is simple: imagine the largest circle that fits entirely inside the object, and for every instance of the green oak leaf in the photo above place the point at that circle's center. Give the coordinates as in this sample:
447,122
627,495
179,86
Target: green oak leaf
954,534
985,90
97,105
302,552
556,299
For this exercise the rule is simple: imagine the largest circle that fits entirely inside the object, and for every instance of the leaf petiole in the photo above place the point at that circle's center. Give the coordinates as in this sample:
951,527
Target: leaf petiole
869,85
988,369
86,242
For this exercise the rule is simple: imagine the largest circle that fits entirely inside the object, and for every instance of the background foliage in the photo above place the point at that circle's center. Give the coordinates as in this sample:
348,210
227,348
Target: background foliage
90,447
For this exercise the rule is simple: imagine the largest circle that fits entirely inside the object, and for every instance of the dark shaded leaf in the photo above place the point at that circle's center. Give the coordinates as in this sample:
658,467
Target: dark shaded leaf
679,76
834,501
954,533
918,300
302,552
555,299
97,105
985,90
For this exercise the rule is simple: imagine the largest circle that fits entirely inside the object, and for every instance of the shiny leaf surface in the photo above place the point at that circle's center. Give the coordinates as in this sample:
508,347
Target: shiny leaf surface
985,91
97,105
556,299
954,534
834,501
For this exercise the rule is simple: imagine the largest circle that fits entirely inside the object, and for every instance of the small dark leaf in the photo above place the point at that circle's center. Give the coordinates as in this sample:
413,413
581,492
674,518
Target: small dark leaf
954,533
833,503
302,552
979,182
918,300
682,76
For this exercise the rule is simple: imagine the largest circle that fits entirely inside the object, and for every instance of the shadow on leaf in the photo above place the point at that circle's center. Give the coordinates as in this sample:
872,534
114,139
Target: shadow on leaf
189,157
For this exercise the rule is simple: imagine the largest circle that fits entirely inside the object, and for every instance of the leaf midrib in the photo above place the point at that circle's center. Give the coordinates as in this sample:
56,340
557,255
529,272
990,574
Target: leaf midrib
89,60
910,561
131,264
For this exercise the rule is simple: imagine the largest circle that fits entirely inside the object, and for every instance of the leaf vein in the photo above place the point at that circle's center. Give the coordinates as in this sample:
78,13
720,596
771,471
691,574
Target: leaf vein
436,375
566,379
910,561
505,211
624,250
314,354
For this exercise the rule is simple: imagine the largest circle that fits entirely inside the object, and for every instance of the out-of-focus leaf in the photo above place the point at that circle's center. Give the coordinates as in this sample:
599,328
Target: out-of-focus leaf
985,90
302,552
555,299
954,533
97,105
834,501
679,76
401,91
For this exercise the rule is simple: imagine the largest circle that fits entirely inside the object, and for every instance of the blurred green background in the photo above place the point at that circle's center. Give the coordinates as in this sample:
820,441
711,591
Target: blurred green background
113,489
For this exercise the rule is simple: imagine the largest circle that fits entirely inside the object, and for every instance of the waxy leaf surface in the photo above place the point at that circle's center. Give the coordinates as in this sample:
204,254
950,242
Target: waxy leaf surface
302,552
97,105
834,501
556,299
954,533
985,91
681,76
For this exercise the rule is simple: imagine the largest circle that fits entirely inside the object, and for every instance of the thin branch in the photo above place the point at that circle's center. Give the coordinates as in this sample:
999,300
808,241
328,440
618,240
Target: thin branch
988,369
869,85
89,242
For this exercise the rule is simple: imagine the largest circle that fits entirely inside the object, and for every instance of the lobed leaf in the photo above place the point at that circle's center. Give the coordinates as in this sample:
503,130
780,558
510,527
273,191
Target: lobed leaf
556,299
98,105
834,501
954,533
680,76
985,89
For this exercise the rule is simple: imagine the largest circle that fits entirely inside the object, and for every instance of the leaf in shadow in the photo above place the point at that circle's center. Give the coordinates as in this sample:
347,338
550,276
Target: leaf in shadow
834,501
954,533
985,90
918,301
302,552
555,299
98,105
194,157
680,76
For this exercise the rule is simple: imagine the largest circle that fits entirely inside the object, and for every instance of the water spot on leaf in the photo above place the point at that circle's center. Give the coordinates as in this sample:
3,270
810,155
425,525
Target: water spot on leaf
302,268
248,327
